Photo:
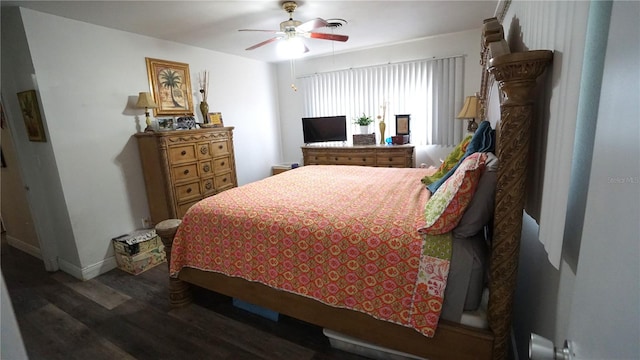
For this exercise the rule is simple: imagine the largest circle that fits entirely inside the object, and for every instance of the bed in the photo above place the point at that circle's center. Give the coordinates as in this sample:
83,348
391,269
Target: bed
394,319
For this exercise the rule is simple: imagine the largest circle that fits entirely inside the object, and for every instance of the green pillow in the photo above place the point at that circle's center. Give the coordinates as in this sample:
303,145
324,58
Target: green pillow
452,159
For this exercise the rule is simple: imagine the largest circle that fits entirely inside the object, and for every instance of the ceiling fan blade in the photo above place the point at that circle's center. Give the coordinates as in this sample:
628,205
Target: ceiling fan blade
324,36
264,43
312,24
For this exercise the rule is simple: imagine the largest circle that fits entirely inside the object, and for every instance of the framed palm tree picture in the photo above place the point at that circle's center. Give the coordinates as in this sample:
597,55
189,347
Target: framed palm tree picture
170,84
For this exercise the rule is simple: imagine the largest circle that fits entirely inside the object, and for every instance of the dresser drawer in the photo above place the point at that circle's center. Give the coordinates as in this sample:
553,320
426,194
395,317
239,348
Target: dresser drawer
204,151
206,168
182,208
185,172
188,191
391,159
223,181
219,148
208,187
182,153
351,159
221,165
316,159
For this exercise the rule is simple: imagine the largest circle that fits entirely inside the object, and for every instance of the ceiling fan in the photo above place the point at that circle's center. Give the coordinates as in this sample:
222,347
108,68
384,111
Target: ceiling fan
291,29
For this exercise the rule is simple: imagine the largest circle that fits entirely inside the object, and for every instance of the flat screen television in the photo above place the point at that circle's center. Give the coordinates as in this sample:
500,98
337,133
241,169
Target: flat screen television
325,128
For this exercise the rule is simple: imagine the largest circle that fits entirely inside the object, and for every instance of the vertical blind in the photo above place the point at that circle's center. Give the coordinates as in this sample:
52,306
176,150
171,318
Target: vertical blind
429,90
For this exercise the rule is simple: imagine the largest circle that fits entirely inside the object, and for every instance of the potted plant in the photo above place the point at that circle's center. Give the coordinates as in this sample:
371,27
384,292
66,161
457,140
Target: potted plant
364,122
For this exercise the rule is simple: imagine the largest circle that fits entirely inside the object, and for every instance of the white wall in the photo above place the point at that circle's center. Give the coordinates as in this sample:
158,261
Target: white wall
544,293
36,159
546,297
463,43
605,311
86,77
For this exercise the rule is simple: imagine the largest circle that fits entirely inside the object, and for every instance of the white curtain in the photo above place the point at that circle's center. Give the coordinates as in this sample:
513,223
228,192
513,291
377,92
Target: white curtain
429,90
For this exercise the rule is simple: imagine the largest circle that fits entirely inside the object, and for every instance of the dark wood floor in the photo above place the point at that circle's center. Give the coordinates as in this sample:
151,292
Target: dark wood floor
121,316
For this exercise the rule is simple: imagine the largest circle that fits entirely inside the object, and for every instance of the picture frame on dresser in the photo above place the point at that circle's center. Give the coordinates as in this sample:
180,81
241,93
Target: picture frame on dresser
165,124
170,85
215,119
402,124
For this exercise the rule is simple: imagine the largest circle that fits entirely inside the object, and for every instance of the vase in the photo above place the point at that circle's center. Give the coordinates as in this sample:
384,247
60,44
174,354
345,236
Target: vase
364,129
204,109
383,126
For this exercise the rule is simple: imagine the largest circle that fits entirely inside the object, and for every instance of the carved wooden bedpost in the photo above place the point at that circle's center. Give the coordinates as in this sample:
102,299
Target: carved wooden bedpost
179,293
516,76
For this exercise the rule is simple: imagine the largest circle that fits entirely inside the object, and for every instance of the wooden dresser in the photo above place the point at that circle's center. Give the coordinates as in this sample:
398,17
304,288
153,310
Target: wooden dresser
184,166
367,155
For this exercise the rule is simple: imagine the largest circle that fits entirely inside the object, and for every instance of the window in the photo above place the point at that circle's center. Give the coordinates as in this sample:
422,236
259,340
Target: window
430,90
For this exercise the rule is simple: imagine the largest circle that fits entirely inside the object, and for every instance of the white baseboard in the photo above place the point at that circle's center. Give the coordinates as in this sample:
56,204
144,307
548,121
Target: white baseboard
85,273
88,272
21,245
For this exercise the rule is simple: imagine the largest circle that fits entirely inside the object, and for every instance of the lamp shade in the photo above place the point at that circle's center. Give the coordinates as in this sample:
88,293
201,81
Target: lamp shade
469,109
145,100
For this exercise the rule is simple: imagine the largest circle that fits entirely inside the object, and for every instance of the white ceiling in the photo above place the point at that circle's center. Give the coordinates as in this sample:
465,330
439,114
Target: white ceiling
214,24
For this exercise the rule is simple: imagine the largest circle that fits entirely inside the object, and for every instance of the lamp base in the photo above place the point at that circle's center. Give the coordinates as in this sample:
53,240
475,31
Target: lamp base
148,120
472,126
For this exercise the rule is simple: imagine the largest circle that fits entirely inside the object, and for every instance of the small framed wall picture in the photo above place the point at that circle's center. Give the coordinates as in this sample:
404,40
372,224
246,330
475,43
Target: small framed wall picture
402,124
215,119
31,114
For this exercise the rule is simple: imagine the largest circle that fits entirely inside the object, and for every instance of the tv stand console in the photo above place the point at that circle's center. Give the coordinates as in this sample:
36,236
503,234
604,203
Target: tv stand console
401,156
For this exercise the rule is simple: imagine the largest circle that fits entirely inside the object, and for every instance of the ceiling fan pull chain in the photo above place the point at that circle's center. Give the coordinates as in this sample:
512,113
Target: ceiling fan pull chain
293,74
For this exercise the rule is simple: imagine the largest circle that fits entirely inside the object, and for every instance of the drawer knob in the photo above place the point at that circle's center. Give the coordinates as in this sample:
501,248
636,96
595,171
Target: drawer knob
336,159
204,150
222,163
224,180
186,171
206,168
188,190
183,153
390,159
220,147
208,186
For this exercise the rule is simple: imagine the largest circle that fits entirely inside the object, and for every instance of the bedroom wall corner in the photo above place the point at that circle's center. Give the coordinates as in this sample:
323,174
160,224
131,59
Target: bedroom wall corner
88,98
36,160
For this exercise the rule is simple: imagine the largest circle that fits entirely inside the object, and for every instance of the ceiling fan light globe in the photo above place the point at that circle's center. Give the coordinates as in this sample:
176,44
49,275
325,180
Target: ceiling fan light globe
291,48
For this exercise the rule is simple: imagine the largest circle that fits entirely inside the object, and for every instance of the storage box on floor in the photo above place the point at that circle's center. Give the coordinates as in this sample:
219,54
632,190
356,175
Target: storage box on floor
356,346
255,309
139,251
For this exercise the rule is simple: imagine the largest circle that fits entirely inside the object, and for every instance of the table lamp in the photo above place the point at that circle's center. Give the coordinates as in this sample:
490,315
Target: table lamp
145,100
470,111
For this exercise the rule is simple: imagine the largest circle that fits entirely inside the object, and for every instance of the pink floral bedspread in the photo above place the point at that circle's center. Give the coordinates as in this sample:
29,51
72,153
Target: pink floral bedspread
344,235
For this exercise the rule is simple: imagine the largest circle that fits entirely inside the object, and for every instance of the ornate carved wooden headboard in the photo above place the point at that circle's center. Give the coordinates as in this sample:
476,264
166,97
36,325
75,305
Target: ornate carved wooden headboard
515,74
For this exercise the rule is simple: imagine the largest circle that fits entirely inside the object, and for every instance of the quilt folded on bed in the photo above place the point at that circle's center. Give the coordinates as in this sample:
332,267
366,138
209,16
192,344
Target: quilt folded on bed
344,235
